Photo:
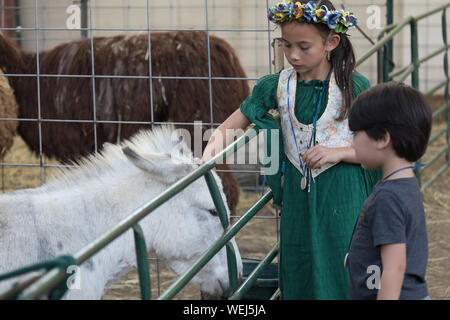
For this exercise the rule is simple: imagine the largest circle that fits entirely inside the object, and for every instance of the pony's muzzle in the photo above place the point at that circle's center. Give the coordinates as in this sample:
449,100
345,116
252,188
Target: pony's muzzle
226,288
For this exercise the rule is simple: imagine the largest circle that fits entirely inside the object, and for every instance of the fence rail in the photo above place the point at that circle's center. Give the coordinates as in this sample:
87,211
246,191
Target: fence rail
412,70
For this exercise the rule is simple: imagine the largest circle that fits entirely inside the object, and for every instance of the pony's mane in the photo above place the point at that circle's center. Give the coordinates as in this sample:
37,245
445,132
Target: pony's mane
112,161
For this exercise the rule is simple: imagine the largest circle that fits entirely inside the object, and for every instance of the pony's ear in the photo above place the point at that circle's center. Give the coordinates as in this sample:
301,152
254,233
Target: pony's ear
160,165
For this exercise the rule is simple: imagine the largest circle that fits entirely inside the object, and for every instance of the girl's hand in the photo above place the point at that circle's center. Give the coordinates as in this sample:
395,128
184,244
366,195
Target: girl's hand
221,136
198,160
317,156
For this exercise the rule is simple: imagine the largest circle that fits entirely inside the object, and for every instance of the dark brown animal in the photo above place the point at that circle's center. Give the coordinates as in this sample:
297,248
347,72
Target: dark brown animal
173,54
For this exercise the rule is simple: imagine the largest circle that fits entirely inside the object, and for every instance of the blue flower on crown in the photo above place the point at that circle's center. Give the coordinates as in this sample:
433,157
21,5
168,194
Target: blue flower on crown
352,21
309,12
332,19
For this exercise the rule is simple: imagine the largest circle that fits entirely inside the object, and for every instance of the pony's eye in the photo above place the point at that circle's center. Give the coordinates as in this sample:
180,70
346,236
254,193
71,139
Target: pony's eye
213,212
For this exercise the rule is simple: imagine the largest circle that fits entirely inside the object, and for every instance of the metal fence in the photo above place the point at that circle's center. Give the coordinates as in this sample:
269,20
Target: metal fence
38,25
412,70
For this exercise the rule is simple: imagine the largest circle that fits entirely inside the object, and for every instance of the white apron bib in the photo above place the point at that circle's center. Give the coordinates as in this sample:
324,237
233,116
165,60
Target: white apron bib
329,132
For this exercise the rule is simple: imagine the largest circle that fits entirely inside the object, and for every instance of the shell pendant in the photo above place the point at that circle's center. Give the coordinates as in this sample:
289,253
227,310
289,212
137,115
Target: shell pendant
303,183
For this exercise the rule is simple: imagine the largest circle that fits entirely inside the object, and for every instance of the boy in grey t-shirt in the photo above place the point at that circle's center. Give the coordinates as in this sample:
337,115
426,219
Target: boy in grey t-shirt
388,252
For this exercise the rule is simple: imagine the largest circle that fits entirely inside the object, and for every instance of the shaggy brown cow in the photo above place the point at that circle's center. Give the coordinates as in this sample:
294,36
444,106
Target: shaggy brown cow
173,54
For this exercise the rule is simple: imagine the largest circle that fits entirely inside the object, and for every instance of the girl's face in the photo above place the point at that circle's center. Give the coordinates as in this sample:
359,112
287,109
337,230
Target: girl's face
304,47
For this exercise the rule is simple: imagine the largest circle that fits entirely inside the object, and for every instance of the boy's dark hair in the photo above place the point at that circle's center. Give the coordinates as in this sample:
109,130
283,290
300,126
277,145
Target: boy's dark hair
343,60
398,109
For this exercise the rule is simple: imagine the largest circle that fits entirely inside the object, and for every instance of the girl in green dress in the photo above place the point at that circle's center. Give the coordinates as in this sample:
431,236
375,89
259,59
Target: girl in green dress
324,185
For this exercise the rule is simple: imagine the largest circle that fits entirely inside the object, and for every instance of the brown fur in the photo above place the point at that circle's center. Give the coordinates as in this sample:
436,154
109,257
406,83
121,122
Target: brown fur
182,53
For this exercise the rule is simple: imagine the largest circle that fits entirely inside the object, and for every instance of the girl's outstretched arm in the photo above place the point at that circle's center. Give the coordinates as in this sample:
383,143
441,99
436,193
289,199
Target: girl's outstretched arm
224,134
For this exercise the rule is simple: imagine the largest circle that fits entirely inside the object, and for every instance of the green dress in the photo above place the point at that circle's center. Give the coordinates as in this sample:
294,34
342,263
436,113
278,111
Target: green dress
316,226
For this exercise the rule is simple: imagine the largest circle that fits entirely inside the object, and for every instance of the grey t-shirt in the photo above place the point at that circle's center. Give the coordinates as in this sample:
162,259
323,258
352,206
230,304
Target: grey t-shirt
393,213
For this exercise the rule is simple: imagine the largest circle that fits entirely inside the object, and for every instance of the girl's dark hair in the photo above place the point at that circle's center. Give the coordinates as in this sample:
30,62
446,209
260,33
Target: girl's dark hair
398,109
342,60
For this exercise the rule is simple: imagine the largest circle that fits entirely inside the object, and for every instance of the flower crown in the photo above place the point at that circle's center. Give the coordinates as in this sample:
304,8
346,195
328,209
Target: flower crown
338,20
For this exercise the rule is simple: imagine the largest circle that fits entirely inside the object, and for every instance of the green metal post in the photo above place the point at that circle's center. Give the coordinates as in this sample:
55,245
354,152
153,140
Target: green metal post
221,210
217,199
232,267
84,18
414,54
389,49
444,38
222,241
142,264
392,32
380,63
254,275
386,64
415,72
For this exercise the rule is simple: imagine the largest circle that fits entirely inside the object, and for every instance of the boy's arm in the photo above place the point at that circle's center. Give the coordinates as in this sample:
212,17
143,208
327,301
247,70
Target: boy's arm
393,259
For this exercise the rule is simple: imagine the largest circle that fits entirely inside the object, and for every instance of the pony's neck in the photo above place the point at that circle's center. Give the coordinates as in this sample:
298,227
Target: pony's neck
108,265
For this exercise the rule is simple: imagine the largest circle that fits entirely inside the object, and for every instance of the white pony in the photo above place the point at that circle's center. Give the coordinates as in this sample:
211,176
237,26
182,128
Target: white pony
82,203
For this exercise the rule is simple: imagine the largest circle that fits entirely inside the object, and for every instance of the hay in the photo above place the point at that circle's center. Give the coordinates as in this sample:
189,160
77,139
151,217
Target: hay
8,109
437,209
435,102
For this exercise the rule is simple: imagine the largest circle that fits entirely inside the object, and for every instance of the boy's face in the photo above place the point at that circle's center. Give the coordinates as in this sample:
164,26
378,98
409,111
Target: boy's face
366,151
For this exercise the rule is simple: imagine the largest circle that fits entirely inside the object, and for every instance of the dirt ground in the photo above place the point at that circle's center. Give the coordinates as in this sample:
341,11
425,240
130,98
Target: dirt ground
256,239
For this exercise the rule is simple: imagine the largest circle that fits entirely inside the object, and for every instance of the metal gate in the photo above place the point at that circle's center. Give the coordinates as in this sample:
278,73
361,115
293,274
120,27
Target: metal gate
56,275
